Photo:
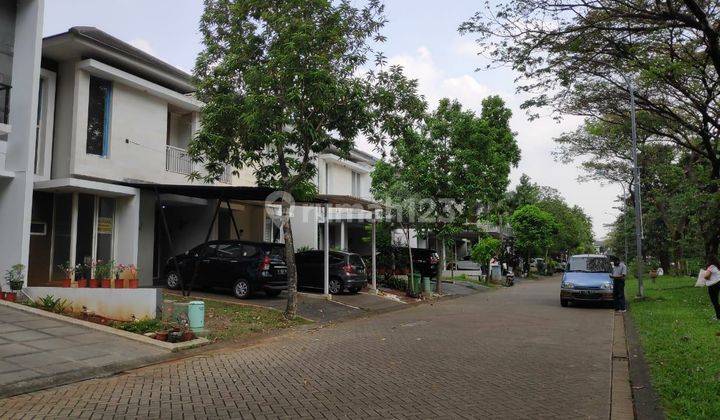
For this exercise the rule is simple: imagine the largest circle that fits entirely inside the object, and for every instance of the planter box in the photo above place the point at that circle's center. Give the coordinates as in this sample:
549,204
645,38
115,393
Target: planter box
120,304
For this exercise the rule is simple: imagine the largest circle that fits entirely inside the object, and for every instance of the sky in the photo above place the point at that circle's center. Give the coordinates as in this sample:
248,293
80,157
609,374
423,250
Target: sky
422,37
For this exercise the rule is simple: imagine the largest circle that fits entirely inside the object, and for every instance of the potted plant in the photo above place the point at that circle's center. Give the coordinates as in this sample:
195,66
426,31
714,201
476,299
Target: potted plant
82,281
94,281
69,270
119,283
103,273
133,279
15,278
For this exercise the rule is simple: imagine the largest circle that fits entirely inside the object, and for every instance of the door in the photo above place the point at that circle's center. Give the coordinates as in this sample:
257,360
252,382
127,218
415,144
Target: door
224,265
314,269
203,265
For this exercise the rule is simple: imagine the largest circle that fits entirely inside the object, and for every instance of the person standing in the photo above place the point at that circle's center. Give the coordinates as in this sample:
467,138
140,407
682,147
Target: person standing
618,276
712,281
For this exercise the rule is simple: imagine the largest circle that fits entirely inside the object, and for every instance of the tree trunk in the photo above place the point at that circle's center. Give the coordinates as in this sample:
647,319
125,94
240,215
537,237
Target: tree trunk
291,308
438,287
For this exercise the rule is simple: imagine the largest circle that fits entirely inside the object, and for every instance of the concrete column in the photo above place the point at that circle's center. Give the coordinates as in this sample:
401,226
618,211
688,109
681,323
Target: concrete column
16,193
343,236
326,256
373,289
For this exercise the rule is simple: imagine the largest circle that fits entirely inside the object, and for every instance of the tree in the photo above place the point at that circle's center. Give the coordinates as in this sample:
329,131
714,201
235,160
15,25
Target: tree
580,57
453,162
485,249
280,81
533,229
574,227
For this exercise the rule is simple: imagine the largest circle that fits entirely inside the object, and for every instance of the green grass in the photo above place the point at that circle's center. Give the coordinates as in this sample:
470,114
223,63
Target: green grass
232,322
682,345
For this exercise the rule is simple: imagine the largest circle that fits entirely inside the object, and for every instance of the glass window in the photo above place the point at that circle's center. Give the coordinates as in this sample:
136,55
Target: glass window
105,228
85,221
229,250
590,264
61,233
355,184
98,116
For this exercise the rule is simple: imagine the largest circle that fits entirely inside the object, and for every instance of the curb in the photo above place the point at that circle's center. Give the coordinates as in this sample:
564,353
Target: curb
172,347
621,402
647,402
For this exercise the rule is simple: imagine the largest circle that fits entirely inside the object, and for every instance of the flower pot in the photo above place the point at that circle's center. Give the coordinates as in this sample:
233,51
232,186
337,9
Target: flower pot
119,283
93,283
161,335
132,283
188,335
105,283
2,295
65,282
82,283
10,296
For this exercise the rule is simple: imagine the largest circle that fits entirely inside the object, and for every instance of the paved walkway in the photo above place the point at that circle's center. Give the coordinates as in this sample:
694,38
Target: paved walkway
511,353
36,351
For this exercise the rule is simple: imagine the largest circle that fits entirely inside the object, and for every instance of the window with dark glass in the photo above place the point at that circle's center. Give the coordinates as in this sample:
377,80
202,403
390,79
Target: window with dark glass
98,116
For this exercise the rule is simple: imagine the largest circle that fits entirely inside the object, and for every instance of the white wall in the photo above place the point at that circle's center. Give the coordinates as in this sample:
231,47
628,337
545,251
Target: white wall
16,193
120,304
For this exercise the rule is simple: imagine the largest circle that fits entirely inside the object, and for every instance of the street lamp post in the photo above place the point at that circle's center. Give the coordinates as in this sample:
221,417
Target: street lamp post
636,182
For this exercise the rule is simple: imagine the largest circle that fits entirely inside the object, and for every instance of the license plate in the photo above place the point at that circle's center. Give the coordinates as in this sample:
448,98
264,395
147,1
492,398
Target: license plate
281,271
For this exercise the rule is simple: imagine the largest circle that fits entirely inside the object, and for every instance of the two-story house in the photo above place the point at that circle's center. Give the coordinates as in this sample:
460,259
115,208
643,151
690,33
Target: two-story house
111,116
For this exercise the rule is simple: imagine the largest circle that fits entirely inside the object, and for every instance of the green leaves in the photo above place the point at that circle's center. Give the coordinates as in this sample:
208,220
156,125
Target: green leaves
533,229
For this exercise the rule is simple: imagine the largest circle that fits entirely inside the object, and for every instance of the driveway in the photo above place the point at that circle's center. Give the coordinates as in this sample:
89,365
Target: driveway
511,353
37,352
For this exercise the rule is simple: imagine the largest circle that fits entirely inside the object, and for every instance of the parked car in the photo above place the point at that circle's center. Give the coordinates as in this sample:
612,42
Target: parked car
347,271
425,261
587,279
242,266
465,264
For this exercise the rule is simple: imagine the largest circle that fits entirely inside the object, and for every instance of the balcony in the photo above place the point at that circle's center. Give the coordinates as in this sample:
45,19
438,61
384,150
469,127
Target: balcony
4,109
178,161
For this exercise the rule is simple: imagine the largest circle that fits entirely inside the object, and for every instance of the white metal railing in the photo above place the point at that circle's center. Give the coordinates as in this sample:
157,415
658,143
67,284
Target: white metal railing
178,160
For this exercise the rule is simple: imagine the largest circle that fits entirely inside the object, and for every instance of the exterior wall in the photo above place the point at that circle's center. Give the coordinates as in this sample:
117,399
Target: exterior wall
16,192
119,304
7,39
146,238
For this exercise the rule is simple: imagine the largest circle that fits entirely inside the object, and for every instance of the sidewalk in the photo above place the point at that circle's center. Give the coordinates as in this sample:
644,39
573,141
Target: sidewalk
37,352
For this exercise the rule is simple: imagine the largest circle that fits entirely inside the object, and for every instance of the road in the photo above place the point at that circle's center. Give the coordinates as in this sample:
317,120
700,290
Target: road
511,353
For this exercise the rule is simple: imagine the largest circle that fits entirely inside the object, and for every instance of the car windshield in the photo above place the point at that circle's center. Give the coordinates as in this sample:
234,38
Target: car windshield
356,260
590,264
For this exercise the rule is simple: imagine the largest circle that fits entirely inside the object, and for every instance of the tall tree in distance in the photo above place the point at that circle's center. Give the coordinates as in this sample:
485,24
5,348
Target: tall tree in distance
281,81
580,58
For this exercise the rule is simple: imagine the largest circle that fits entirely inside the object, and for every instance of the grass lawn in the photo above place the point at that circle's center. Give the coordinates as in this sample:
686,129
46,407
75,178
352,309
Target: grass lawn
232,322
682,345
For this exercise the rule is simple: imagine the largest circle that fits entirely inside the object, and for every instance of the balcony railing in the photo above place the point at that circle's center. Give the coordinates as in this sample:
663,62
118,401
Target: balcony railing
4,103
178,160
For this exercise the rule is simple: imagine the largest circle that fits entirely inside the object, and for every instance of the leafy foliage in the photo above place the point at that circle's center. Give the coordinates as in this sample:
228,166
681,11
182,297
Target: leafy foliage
533,229
51,304
485,249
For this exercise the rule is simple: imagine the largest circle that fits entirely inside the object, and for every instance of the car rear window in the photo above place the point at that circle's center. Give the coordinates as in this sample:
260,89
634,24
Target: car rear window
590,264
356,260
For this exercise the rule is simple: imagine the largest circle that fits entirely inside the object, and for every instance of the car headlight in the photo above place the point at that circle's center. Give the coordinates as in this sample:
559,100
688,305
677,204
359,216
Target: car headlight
607,285
567,285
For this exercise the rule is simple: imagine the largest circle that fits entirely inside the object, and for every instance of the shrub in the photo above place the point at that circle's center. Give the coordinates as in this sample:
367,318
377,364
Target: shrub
140,327
51,304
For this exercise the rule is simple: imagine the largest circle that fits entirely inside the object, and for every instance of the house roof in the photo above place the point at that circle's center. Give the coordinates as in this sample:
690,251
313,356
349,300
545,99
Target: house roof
81,42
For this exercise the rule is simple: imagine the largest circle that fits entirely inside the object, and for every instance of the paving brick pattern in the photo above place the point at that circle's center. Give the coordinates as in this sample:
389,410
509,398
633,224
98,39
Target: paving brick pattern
513,353
36,348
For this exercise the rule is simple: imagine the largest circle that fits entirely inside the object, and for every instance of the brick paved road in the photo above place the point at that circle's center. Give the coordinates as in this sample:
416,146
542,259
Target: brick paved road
513,353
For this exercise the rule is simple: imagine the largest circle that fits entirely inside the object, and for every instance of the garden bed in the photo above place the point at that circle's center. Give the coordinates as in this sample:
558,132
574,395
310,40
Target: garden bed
680,340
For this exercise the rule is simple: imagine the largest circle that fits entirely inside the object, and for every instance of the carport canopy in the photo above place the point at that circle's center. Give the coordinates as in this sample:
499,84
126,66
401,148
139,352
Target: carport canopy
259,196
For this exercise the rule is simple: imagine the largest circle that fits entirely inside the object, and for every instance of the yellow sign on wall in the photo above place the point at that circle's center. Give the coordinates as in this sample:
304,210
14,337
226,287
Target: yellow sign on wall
105,225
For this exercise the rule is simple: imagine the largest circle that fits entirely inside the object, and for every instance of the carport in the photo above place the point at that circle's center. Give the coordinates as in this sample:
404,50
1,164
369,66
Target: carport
259,196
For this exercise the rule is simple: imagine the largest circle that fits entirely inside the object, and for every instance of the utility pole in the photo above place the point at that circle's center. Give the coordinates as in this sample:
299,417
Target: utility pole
636,182
625,223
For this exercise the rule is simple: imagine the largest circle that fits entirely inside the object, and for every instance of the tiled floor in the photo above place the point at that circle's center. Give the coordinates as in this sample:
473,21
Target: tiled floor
33,347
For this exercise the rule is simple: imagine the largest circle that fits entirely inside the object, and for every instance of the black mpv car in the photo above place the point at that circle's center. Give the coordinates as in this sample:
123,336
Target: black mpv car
242,266
347,271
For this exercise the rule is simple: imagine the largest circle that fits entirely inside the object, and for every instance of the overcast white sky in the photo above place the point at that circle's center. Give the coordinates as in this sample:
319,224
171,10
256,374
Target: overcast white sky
422,36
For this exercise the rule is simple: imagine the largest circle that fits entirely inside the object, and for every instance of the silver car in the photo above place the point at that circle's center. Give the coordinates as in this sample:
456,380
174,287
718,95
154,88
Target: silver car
587,279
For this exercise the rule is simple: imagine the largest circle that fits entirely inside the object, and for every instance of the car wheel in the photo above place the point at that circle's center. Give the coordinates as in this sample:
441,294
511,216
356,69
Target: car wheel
564,303
335,286
241,290
272,293
172,280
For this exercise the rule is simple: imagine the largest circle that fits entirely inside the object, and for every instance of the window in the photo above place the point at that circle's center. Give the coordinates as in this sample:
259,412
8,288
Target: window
98,116
273,229
355,184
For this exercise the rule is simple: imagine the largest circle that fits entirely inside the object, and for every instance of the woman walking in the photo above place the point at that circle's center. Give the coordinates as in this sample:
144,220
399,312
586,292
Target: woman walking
712,281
